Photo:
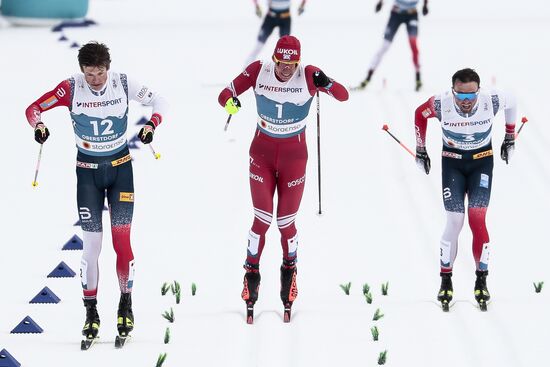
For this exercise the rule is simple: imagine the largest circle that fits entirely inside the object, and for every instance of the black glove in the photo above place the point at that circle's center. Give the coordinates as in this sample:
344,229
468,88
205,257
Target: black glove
146,132
378,7
423,160
425,10
41,133
507,147
320,80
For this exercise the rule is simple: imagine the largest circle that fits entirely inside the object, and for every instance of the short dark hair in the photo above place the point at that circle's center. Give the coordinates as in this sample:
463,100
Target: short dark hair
94,54
465,76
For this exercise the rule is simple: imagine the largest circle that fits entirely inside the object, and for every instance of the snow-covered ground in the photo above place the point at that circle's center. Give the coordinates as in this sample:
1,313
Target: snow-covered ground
382,216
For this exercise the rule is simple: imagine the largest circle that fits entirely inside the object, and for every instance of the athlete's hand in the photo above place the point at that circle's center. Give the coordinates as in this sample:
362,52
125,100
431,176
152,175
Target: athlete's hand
423,160
378,7
507,147
301,9
320,80
146,133
41,133
425,10
232,105
258,11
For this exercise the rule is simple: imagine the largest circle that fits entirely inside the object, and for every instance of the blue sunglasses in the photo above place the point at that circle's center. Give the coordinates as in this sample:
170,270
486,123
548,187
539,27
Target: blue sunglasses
465,96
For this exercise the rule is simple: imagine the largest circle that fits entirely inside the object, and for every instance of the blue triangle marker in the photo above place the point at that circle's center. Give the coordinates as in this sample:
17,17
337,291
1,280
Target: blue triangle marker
74,45
132,143
62,271
7,360
75,243
62,38
142,121
45,296
27,326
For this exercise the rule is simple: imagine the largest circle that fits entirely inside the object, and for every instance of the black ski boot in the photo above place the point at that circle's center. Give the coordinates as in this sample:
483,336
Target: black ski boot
445,294
251,286
418,82
91,325
289,288
481,292
365,82
125,320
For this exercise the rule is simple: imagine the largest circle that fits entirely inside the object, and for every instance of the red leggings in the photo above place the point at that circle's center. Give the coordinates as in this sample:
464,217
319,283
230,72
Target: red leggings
276,163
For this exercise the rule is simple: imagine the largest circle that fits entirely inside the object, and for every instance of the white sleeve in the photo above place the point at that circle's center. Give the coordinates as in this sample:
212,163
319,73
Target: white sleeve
507,102
142,94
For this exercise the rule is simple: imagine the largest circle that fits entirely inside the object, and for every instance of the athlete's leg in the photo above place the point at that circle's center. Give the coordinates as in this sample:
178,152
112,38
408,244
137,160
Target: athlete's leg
284,26
291,178
454,188
121,205
265,31
412,30
90,201
393,24
262,188
479,194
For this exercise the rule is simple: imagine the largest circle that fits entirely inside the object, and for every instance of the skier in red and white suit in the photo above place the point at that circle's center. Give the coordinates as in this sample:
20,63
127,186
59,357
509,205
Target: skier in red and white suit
284,90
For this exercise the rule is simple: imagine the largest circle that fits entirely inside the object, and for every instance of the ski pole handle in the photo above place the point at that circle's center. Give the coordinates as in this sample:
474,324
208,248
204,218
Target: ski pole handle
157,155
34,182
386,129
227,122
523,121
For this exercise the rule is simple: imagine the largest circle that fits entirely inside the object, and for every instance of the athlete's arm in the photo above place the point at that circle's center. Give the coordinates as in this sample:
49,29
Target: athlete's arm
59,96
507,103
241,83
334,88
144,95
423,112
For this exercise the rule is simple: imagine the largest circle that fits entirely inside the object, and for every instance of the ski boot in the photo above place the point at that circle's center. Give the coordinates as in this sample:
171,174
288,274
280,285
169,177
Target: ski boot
125,320
418,82
251,286
289,288
445,294
481,292
364,83
91,325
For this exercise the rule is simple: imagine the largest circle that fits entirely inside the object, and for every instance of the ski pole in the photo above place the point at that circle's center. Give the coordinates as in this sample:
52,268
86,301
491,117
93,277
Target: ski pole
227,123
34,182
157,155
523,121
386,129
319,149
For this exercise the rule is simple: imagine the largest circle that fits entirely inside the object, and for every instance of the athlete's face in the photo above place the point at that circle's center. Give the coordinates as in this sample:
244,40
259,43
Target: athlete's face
96,76
465,95
285,71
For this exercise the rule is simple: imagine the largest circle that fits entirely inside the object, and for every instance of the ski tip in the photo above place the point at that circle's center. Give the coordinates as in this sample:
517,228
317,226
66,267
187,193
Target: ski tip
250,320
86,343
445,306
286,317
483,306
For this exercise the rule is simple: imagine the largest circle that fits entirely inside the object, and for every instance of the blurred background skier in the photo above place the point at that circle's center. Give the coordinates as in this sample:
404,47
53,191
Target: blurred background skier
402,12
277,15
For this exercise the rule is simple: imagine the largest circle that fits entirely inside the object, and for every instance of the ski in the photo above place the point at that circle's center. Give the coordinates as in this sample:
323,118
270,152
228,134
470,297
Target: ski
249,313
445,305
120,341
482,305
287,313
357,88
87,343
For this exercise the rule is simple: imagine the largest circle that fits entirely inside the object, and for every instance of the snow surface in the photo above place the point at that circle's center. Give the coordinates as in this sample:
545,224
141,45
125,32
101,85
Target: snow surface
382,216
